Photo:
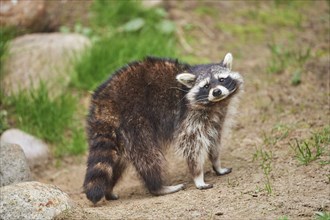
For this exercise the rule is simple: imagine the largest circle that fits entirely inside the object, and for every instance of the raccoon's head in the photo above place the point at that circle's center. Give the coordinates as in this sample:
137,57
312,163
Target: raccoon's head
211,83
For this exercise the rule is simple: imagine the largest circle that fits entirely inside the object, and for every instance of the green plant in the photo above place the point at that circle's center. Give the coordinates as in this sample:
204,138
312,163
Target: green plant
51,119
283,218
311,149
265,162
322,216
3,121
74,144
6,34
279,132
282,58
296,78
126,32
38,114
282,15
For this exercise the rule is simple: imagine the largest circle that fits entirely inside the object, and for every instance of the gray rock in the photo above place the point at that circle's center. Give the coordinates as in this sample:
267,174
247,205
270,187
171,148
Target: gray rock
32,200
13,165
35,150
41,57
23,14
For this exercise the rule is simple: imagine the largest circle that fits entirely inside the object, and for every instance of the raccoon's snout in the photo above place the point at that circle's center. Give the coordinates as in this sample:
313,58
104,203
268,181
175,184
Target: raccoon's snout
216,92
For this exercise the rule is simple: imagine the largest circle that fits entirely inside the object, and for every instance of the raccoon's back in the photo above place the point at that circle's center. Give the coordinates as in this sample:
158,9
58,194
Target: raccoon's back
141,95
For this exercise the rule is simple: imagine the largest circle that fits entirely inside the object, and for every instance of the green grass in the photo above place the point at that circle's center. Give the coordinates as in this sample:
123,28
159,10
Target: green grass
244,33
109,54
322,216
6,34
51,119
264,155
279,132
3,121
313,148
288,59
203,10
265,162
126,32
283,57
285,15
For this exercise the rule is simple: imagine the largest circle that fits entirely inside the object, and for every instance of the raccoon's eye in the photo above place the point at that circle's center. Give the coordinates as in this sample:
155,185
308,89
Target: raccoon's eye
221,79
206,86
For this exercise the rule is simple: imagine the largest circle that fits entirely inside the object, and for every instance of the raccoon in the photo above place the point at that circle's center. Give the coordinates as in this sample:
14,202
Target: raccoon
149,105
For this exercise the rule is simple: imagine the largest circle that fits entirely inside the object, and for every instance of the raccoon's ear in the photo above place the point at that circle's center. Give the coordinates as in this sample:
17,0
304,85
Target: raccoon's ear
186,79
228,61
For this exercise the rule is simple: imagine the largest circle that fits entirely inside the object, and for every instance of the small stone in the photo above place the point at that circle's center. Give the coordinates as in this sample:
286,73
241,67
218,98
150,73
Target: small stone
32,200
13,165
218,213
35,150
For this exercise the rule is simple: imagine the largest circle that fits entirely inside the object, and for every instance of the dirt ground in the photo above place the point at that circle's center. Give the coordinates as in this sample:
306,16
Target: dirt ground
269,108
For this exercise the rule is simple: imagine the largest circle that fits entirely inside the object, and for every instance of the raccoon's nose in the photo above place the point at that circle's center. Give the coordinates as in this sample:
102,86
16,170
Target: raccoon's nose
216,92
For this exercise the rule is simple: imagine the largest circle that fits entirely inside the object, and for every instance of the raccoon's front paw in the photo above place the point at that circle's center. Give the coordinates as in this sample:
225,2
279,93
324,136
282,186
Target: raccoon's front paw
222,171
205,186
111,196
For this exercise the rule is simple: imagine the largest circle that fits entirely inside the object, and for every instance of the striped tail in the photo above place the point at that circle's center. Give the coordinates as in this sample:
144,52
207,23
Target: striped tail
99,175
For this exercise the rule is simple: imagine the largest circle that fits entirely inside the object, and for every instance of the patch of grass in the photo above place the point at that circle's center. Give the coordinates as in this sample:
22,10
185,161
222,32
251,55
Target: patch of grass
245,33
322,216
74,143
126,32
311,149
6,34
51,119
286,59
282,58
3,121
109,54
265,157
265,161
284,14
37,113
296,78
279,132
206,10
283,218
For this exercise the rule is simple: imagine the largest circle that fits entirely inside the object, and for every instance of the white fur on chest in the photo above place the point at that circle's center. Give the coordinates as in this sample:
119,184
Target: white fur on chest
198,133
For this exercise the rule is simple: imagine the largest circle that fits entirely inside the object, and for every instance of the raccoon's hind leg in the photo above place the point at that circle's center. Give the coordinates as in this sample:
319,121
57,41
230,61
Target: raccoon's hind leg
214,156
150,165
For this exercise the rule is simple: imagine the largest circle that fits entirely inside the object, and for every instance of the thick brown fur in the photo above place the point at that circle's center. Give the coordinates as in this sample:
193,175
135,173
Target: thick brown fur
134,115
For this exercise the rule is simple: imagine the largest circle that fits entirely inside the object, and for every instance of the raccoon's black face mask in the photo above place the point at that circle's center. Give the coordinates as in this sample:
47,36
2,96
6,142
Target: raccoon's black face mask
211,83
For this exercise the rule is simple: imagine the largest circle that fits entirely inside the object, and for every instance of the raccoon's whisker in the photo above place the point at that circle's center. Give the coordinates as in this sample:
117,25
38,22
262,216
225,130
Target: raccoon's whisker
202,99
181,99
179,89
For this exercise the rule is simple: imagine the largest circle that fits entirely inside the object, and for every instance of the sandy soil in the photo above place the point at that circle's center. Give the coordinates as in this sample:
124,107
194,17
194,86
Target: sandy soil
270,102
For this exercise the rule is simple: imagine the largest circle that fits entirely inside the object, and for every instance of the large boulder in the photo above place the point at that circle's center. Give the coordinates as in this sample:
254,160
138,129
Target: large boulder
41,57
32,200
24,15
13,165
35,150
